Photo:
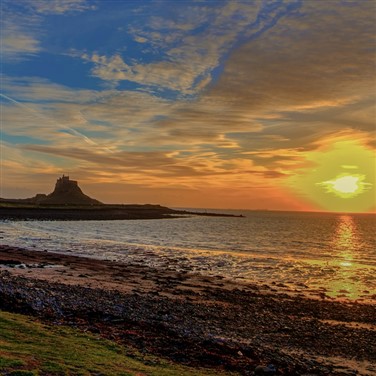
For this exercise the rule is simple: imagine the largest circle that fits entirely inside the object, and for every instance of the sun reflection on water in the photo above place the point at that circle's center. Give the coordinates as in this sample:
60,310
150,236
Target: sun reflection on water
346,245
346,240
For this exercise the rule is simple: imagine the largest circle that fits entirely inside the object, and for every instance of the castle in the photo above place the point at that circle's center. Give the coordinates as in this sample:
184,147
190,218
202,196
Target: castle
65,182
66,192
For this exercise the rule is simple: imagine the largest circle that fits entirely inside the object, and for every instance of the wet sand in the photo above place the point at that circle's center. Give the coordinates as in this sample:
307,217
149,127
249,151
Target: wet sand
190,318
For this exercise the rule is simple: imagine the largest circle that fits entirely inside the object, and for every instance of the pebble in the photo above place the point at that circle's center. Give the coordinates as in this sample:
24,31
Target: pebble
268,370
233,330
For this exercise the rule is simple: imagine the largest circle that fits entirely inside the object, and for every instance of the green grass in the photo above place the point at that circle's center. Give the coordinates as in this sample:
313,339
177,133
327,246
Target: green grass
30,348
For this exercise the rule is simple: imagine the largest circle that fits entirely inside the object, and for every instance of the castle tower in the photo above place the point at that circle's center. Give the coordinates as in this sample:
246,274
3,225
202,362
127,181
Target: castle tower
67,192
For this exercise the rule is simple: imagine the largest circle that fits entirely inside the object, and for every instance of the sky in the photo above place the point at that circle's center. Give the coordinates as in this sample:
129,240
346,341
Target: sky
211,104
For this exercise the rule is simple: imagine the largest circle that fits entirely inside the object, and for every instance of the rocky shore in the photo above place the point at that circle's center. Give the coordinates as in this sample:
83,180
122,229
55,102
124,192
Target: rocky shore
192,319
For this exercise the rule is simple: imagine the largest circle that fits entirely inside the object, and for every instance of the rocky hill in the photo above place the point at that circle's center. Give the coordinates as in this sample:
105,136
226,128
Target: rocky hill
66,192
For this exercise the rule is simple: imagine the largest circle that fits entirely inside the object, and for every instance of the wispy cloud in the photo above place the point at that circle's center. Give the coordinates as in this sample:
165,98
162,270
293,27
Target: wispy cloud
16,42
191,48
22,28
60,6
37,89
19,34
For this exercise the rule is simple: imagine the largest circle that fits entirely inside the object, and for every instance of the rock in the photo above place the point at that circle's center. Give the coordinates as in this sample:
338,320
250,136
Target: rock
262,370
11,263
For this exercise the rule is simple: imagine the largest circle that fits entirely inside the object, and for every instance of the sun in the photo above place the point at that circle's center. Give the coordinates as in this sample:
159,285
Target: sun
345,185
339,176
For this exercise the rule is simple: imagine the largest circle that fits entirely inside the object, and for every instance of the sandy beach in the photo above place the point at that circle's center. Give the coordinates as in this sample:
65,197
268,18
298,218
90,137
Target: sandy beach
189,318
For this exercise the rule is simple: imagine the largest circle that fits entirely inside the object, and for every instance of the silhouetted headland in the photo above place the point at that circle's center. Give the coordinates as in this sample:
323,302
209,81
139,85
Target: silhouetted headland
68,202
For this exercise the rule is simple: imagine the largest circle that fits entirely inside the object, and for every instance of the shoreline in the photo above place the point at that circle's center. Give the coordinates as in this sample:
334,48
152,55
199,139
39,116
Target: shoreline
189,318
11,211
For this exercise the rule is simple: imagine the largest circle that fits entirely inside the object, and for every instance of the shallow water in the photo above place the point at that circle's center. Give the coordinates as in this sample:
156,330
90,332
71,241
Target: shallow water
326,255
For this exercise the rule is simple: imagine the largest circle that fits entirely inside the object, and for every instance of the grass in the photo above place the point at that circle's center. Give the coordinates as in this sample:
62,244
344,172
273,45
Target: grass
30,348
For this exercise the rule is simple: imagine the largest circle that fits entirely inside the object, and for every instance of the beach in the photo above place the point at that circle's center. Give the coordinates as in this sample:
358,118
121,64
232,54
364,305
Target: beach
192,319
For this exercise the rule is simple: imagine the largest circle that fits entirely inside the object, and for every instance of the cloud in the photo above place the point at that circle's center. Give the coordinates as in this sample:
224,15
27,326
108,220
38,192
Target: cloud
165,74
320,57
60,6
16,42
190,48
140,39
22,25
36,89
288,82
309,75
286,91
16,167
19,34
158,169
119,119
49,120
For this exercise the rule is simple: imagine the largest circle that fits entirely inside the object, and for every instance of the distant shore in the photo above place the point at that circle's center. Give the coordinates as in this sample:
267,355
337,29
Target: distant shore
100,212
191,319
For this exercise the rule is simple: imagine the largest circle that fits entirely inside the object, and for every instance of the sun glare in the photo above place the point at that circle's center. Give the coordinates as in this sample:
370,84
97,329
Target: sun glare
345,186
338,177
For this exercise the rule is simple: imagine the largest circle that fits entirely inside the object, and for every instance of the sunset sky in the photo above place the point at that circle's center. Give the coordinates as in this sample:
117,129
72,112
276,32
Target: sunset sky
212,104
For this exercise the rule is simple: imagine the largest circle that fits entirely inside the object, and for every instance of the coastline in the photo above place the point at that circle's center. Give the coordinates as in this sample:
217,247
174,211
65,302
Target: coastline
188,318
12,211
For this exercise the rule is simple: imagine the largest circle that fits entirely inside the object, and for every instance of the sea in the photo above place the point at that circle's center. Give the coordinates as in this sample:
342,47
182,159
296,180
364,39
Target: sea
320,255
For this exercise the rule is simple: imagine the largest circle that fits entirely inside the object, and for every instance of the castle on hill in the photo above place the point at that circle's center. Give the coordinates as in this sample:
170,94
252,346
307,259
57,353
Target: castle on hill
66,192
